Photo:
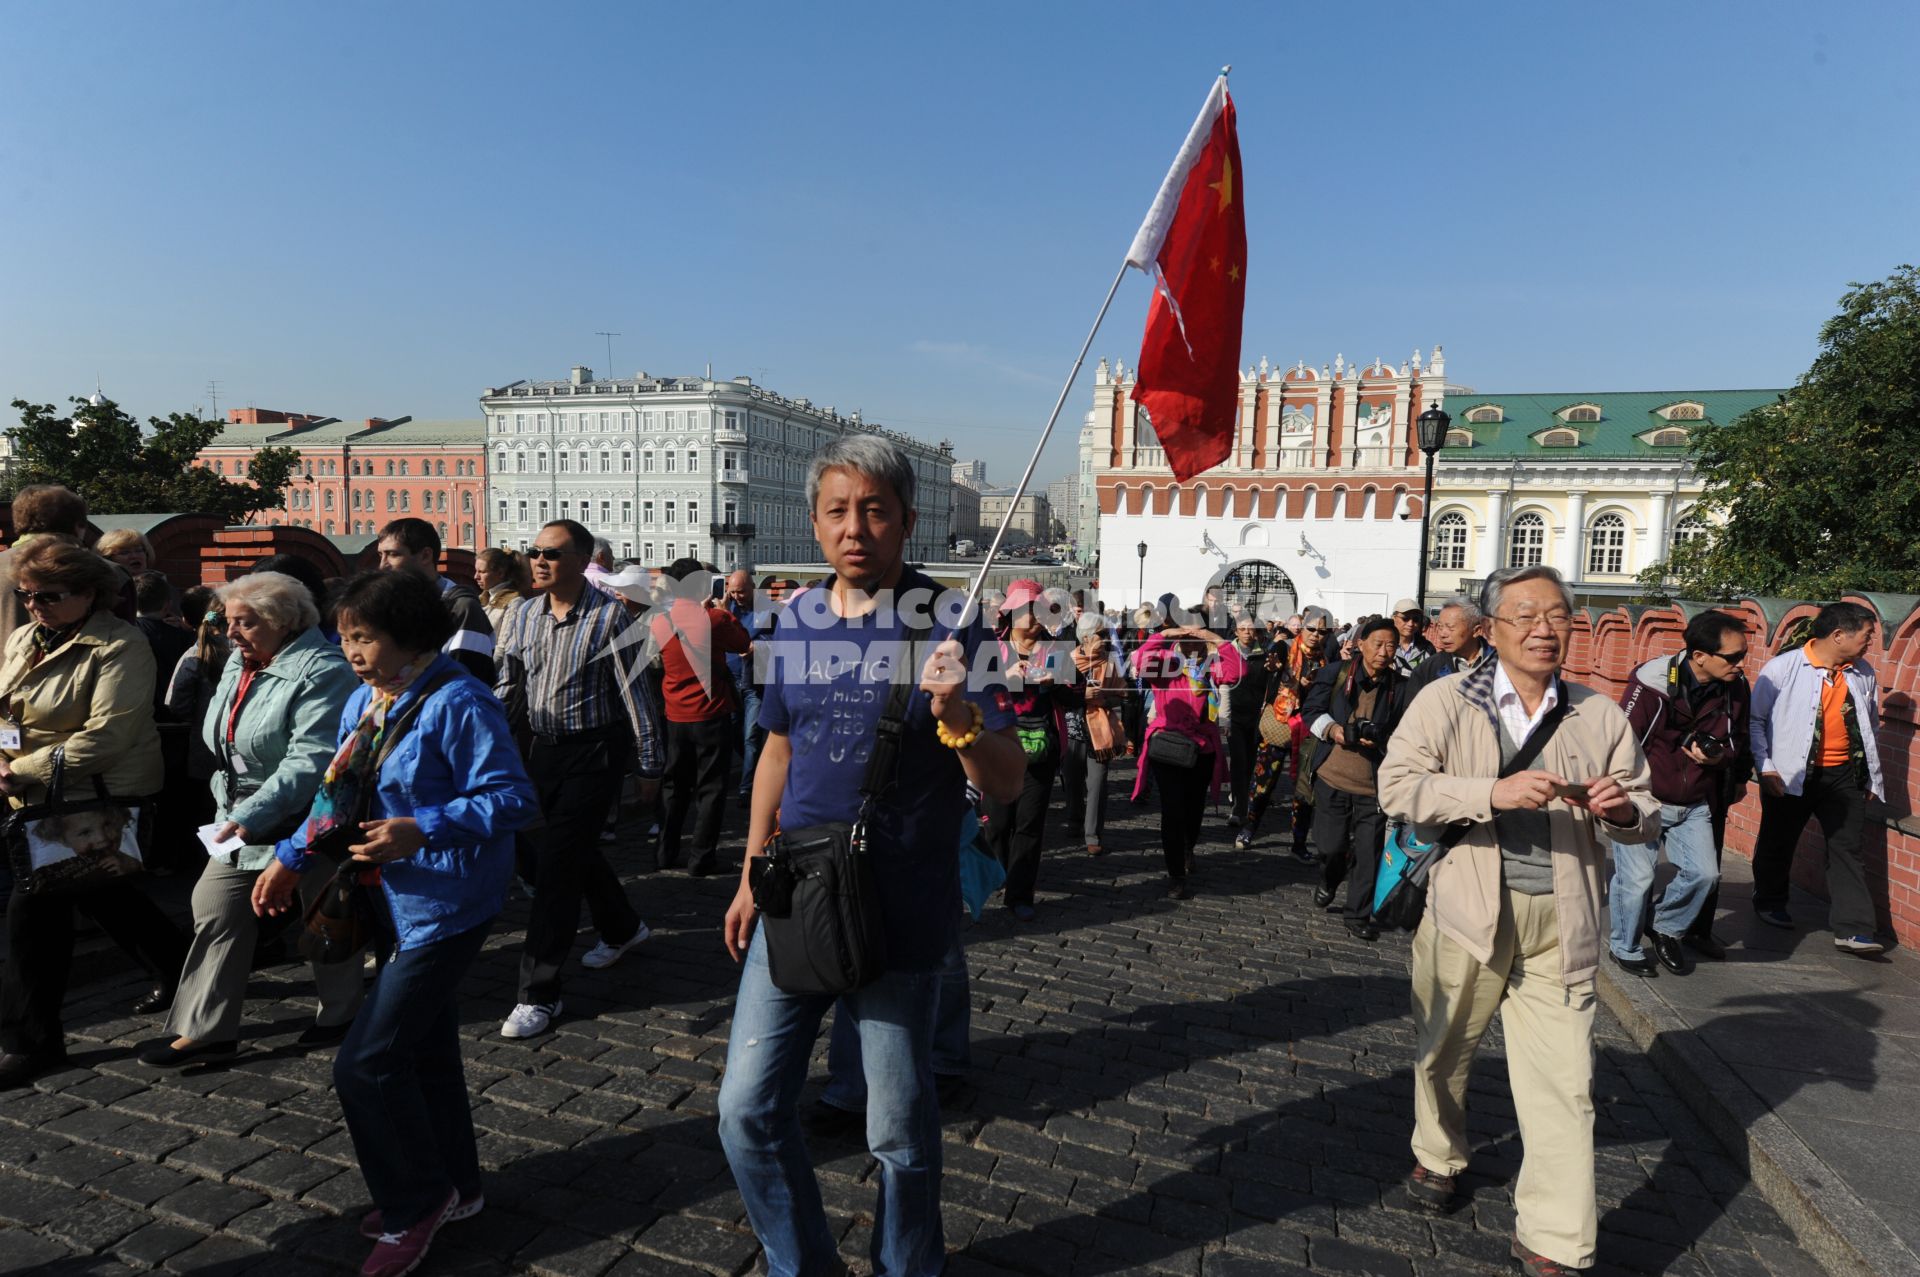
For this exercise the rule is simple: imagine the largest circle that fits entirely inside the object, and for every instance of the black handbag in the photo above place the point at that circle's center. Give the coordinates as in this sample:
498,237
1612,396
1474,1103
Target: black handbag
814,887
1175,749
66,845
1404,902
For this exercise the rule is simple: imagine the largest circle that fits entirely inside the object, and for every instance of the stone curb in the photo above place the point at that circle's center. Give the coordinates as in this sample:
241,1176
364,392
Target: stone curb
1828,1219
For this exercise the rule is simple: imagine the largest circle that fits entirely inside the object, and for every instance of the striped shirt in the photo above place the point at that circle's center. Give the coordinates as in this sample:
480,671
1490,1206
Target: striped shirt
574,679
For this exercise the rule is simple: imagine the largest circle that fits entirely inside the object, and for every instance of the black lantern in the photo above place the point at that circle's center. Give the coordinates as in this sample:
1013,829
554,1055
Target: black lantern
1432,425
1141,550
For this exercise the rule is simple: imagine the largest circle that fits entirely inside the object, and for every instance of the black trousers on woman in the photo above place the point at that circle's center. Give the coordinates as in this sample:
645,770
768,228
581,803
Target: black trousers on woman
1183,805
1016,830
40,956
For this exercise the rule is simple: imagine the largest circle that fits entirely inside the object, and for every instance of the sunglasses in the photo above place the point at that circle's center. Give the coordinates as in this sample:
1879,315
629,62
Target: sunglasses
549,553
47,598
1733,658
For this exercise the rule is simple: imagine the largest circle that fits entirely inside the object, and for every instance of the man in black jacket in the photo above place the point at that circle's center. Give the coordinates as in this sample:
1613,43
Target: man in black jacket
1352,709
1460,642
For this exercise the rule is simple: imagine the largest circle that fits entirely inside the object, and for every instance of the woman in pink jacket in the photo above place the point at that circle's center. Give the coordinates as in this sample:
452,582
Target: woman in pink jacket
1184,667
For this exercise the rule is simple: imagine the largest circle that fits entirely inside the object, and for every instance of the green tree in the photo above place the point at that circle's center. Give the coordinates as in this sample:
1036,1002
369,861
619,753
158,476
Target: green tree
102,453
1819,493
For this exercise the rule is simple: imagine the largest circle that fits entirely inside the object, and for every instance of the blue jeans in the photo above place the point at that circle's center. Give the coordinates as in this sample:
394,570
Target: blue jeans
767,1052
1687,835
752,737
402,1084
952,1034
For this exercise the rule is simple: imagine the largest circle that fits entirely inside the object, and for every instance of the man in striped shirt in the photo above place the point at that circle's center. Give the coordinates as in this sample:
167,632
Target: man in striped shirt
561,655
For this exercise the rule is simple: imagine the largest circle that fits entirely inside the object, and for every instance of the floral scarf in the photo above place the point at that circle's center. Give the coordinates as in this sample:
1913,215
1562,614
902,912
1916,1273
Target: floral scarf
349,778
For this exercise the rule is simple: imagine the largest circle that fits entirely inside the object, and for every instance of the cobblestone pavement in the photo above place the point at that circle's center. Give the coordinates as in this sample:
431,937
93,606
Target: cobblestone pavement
1212,1087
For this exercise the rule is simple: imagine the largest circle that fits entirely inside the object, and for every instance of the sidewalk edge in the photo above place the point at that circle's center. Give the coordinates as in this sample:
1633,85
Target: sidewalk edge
1827,1217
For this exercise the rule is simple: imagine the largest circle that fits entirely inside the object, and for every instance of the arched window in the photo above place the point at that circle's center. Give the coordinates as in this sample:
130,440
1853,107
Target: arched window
1607,546
1527,544
1674,438
326,499
1459,439
1585,412
439,500
1450,541
1490,415
391,500
466,503
389,468
406,503
440,468
1691,528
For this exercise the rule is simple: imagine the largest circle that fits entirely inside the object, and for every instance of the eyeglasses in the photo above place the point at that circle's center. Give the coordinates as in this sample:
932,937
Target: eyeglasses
1316,629
46,598
552,554
1527,622
1733,658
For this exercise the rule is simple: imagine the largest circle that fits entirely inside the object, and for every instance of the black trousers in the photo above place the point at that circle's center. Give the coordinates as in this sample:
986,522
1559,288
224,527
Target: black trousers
1243,748
1836,798
1350,830
696,781
1017,831
1183,805
40,956
576,779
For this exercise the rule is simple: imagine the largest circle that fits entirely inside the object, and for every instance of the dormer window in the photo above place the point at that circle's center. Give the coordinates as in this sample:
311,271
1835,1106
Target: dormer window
1459,439
1673,438
1686,410
1559,439
1486,415
1580,412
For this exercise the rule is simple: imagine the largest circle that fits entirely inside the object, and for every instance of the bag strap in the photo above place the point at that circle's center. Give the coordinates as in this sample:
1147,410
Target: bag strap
397,729
1522,759
883,765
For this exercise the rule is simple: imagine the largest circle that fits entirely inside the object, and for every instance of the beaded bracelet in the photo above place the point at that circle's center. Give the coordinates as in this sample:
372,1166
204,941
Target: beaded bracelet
962,740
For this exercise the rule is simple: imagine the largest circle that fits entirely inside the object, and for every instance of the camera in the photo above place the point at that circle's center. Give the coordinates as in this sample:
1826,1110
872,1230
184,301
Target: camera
1714,748
1363,731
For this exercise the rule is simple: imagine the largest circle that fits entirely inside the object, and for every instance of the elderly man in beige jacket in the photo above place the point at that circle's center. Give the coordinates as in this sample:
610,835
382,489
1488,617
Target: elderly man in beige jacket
1513,912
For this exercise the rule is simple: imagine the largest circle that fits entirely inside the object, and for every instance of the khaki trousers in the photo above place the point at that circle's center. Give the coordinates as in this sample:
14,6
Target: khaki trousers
1549,1037
213,984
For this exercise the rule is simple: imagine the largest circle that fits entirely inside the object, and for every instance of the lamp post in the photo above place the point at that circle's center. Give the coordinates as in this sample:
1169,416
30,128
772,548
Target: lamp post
1141,550
1433,425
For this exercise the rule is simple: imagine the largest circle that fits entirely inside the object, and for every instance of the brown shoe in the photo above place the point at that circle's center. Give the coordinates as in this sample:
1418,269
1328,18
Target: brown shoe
1095,849
1429,1190
1539,1265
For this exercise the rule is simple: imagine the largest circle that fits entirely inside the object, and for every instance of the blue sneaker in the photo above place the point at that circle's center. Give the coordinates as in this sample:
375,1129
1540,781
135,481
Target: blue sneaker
1861,945
1775,918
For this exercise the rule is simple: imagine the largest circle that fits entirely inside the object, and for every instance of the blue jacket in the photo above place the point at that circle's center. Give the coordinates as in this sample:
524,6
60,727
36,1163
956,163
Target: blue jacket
1785,706
458,773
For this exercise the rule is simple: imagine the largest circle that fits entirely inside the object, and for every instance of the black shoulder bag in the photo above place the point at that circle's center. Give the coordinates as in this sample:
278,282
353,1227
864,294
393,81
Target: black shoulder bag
814,887
1401,897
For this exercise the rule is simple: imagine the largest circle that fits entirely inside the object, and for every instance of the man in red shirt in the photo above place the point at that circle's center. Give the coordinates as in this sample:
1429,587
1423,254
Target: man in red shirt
693,635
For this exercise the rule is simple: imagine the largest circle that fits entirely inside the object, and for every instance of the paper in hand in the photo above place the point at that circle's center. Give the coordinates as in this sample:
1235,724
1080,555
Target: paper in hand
209,838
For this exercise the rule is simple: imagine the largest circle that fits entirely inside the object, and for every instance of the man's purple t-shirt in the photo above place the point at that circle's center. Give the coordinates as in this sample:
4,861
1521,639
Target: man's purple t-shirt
828,679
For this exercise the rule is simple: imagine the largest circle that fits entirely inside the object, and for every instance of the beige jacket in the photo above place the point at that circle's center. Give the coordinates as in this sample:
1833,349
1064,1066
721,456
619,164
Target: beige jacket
1440,769
95,696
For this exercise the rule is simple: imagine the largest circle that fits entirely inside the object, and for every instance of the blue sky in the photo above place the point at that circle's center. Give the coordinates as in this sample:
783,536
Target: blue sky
376,209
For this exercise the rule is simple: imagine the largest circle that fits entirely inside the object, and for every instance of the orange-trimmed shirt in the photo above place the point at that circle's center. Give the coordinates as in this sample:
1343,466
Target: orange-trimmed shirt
1835,748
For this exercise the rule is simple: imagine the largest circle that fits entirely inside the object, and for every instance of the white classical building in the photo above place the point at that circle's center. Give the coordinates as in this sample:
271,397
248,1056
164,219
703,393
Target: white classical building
671,467
1320,501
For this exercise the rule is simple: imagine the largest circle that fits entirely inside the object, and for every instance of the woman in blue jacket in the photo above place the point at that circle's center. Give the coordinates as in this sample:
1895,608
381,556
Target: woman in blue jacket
437,804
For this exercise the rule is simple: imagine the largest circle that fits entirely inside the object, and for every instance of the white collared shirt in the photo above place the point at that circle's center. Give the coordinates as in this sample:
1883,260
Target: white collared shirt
1513,714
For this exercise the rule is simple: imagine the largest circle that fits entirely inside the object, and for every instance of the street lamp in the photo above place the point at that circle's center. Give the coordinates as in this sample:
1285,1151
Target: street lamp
1141,550
1433,425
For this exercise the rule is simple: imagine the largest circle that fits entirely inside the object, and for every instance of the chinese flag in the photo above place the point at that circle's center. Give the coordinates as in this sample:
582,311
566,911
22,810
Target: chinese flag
1194,244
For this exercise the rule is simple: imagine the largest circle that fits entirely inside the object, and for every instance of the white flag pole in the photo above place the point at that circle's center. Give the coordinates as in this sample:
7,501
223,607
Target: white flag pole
1141,254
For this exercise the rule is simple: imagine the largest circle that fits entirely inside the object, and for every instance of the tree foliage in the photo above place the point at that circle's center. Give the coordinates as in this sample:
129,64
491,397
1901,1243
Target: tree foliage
102,453
1818,494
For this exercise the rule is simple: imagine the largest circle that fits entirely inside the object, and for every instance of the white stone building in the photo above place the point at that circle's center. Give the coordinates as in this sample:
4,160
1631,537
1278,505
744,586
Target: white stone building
670,467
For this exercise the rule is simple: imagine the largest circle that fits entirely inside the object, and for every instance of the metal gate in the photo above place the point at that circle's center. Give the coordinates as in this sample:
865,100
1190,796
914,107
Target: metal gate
1259,587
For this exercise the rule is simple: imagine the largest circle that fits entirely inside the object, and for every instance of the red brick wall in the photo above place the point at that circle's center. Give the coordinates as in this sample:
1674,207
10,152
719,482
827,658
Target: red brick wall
1607,646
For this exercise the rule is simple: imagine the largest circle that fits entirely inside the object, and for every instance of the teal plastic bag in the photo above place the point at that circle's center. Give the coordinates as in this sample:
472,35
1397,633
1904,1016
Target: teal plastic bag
980,874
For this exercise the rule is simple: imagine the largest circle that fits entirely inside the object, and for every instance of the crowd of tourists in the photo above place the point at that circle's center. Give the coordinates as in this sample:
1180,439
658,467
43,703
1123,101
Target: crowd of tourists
358,770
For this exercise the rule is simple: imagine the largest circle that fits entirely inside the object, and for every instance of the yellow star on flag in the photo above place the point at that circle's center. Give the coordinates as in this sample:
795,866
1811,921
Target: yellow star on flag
1233,273
1224,185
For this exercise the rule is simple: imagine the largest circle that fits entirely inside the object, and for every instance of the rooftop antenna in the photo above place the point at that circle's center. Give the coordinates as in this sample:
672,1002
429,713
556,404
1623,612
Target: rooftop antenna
609,336
213,394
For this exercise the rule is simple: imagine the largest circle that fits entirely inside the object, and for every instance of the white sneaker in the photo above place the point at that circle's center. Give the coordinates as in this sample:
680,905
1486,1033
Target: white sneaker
529,1020
604,955
608,835
1858,944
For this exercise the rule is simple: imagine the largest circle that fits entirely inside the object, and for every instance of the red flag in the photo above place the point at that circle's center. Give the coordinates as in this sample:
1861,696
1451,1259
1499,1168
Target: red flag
1194,243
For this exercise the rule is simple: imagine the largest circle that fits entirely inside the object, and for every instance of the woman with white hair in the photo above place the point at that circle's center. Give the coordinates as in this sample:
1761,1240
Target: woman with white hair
127,547
271,724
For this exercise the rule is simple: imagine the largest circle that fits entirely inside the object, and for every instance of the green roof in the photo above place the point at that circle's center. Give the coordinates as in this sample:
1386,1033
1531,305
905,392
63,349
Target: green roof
403,432
1625,417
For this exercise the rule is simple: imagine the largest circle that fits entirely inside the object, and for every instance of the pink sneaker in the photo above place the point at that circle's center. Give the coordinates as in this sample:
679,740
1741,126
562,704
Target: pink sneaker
372,1224
396,1254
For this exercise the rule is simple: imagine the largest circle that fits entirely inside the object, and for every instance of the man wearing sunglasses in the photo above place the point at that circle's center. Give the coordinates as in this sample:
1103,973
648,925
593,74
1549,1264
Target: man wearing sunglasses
562,654
1689,712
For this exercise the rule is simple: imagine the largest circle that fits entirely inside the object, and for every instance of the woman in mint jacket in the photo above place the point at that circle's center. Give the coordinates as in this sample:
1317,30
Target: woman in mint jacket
271,725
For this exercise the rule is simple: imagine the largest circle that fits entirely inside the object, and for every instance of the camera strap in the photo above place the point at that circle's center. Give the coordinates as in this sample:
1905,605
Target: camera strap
889,734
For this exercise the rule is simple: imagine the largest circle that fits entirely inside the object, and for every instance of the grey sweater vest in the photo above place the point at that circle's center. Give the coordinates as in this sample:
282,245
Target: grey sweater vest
1526,839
